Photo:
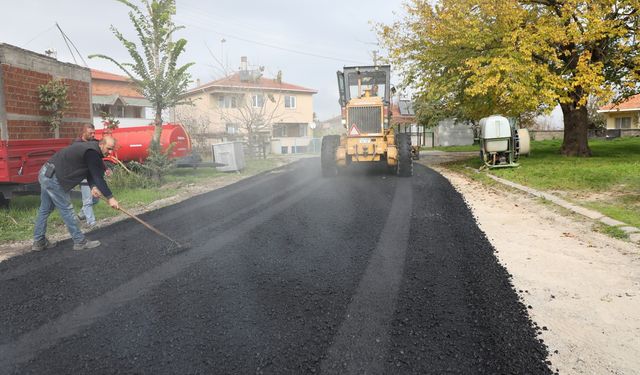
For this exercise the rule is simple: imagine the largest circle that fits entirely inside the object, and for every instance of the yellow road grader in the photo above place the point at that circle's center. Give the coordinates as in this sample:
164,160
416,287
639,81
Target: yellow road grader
365,99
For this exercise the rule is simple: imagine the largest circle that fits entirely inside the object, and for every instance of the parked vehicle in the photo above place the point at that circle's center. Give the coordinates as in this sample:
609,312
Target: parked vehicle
133,142
20,162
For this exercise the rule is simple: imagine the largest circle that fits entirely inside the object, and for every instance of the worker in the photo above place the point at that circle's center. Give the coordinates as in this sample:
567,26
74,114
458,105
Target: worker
374,90
88,201
61,173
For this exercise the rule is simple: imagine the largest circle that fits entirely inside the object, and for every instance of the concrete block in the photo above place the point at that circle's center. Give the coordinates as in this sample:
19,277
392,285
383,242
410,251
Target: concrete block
594,215
630,230
611,222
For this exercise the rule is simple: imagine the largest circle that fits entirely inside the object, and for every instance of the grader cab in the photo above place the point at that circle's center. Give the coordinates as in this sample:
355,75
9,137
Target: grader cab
365,99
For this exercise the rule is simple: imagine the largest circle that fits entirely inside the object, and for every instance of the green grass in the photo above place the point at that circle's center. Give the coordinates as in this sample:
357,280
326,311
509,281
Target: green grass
16,223
614,232
609,181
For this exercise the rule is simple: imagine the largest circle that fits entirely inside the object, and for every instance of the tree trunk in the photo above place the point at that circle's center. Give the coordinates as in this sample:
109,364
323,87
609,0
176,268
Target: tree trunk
576,130
155,141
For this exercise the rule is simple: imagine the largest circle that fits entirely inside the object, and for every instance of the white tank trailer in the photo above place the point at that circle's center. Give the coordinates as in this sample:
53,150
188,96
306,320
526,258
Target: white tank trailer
501,144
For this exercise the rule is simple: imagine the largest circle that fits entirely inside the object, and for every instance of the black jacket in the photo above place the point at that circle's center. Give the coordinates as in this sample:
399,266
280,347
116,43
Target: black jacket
79,161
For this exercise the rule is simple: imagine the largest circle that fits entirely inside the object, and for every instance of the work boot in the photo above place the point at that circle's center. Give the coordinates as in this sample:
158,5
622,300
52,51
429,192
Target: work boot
81,216
43,244
86,244
87,226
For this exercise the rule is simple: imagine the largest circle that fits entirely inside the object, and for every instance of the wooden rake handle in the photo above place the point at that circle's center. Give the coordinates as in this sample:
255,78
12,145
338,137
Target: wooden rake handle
149,226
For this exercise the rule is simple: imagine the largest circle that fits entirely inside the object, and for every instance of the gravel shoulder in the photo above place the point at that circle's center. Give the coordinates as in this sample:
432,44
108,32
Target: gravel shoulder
583,287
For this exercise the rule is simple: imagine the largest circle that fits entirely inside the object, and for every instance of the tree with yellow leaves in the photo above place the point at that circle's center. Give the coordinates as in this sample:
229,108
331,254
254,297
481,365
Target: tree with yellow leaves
472,58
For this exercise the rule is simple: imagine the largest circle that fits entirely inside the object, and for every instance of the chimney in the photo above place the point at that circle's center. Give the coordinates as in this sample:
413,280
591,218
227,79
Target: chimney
198,82
243,63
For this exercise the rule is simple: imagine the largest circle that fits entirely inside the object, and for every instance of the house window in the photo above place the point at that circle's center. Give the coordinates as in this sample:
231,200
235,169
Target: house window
290,130
623,122
258,101
302,130
119,111
133,112
227,101
289,101
279,131
232,128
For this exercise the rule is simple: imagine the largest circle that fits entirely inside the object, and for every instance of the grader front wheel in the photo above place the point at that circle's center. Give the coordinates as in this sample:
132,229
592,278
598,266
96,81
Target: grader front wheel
405,161
330,145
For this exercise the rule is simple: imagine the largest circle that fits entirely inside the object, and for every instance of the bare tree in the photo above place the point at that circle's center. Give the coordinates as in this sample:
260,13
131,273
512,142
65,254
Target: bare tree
253,116
196,123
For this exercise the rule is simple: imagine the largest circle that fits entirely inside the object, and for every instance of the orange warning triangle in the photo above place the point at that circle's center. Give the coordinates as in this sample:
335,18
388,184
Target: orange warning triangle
354,130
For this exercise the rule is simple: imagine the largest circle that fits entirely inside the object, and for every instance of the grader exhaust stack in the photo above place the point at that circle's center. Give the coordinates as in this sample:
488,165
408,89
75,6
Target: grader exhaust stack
365,100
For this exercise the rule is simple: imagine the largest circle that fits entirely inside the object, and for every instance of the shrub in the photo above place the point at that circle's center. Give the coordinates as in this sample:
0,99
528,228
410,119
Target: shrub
133,179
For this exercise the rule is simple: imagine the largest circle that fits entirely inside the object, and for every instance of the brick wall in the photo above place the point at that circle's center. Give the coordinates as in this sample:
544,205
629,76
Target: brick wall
21,98
21,73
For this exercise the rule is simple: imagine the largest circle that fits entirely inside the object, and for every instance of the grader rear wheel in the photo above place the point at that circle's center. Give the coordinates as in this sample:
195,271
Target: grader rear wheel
405,161
330,145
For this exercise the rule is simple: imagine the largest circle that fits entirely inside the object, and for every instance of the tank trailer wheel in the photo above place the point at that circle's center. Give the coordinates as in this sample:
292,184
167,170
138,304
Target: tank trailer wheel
328,150
405,161
4,203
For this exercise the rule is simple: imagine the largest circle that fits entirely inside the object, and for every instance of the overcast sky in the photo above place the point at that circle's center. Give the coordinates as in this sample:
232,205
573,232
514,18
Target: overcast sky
307,40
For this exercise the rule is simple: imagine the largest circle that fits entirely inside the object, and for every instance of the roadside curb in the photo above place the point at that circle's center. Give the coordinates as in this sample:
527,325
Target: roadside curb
633,232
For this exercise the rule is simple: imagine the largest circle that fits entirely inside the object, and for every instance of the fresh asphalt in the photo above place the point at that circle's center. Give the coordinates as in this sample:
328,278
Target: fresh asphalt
288,273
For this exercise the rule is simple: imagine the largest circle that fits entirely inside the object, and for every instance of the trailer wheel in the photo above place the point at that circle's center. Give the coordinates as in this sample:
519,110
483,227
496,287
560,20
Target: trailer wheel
405,161
330,145
4,203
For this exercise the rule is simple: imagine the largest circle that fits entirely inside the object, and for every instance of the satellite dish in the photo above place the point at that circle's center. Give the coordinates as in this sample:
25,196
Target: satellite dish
312,125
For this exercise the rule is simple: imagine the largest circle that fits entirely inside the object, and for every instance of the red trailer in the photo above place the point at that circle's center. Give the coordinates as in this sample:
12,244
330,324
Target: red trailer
20,162
133,142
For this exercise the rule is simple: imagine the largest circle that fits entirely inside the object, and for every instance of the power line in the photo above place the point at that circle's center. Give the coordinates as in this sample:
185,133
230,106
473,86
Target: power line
67,43
230,21
215,58
271,45
66,38
38,36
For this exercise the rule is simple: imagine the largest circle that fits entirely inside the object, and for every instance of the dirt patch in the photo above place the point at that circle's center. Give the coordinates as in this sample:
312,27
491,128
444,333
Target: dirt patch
582,287
439,157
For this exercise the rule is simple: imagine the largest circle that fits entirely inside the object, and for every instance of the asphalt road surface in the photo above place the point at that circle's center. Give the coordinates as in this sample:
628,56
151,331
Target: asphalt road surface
288,273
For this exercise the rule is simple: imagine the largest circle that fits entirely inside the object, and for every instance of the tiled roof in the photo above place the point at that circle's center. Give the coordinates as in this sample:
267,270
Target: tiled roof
633,103
263,83
99,74
105,83
402,112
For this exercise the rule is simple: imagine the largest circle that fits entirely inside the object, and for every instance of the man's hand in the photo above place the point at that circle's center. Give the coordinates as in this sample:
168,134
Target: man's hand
108,172
95,192
113,203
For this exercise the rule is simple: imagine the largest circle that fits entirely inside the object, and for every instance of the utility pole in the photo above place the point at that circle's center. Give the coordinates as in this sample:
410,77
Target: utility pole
375,57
